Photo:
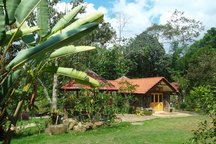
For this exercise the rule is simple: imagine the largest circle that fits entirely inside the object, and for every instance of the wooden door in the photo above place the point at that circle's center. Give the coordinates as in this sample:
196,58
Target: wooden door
157,101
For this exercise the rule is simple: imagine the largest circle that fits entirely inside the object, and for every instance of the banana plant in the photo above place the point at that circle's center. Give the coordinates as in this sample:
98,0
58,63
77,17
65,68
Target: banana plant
32,61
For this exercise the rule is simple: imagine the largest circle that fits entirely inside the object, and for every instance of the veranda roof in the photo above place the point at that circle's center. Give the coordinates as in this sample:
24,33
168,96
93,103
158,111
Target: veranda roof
72,85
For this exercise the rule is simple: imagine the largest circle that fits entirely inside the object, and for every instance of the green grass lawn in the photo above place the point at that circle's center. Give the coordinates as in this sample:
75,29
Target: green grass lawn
156,131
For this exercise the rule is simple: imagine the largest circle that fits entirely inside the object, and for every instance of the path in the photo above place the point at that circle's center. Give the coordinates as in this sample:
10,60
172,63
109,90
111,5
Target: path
134,118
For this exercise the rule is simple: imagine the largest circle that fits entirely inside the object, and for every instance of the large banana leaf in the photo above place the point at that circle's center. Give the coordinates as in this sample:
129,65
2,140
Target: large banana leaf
2,21
95,17
66,19
43,18
19,34
24,8
81,77
52,43
7,84
11,8
68,50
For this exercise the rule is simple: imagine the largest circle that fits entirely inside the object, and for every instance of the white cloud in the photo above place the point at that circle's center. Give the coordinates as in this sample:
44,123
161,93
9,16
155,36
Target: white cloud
139,13
139,18
202,10
90,8
63,7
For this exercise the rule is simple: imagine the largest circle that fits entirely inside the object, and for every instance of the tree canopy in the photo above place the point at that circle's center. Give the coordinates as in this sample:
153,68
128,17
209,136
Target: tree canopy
147,55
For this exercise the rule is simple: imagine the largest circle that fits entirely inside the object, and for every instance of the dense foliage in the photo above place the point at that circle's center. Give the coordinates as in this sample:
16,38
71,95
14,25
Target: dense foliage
147,56
93,105
21,69
191,63
202,99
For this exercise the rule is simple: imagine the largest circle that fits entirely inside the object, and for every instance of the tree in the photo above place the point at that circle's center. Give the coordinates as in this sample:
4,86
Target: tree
177,29
199,61
122,21
28,64
110,63
177,34
148,57
200,72
202,99
202,68
101,36
209,39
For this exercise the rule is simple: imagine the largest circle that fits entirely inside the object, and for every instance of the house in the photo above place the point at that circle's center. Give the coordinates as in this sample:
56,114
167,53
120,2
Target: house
152,92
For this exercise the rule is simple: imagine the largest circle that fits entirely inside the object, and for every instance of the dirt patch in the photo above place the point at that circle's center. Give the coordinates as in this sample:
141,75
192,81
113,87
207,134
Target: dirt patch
172,114
134,118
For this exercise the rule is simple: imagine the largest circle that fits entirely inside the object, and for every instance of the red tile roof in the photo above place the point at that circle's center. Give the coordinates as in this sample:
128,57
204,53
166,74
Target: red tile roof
143,85
73,85
105,85
175,85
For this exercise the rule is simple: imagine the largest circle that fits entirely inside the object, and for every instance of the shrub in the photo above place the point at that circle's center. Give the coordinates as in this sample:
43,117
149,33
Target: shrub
140,111
91,106
205,134
202,99
183,106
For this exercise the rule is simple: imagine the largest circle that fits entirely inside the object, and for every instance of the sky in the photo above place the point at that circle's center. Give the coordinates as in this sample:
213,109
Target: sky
140,14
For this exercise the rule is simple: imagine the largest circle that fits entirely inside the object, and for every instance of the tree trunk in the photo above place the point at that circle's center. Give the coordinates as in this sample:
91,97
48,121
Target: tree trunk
55,90
45,91
11,129
2,122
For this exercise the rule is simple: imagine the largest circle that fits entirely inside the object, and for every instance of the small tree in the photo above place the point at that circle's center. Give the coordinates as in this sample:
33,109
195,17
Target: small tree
91,105
203,99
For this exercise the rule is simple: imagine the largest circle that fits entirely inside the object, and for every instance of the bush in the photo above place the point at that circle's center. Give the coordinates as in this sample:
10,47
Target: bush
148,111
202,99
183,106
205,134
140,111
91,106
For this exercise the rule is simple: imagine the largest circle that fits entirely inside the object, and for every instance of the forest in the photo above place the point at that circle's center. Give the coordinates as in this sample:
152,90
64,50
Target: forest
38,48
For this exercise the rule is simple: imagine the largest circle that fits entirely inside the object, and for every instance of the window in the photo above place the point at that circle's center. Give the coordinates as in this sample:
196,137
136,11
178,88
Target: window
156,97
152,97
160,98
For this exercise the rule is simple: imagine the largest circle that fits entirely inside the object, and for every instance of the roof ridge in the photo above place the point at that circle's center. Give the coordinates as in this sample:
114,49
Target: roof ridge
147,78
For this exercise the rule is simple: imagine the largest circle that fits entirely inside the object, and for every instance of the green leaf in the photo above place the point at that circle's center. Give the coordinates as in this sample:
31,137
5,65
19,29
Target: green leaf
22,12
8,84
2,21
95,17
43,18
78,76
66,19
19,34
11,8
68,50
29,39
50,69
52,43
24,8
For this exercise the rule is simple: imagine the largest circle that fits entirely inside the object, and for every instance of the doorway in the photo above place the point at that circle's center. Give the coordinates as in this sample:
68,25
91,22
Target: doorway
157,101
